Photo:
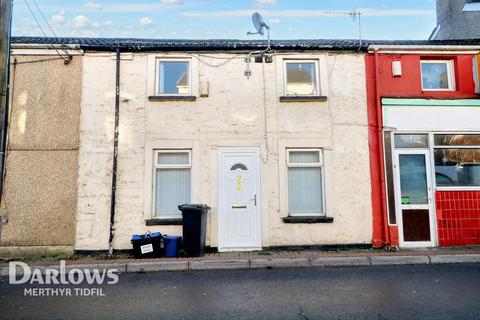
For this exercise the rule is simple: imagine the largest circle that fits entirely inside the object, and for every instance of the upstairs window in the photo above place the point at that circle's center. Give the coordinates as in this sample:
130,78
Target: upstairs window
301,78
173,77
437,75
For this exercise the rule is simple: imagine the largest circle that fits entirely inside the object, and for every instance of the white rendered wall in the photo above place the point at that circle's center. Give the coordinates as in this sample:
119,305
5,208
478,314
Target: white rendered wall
237,112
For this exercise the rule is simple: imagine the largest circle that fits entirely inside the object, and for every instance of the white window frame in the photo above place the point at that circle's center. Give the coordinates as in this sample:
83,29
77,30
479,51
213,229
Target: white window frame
450,74
157,76
156,166
432,147
317,76
307,165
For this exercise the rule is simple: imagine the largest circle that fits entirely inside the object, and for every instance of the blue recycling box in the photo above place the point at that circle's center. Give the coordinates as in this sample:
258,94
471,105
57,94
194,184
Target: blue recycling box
148,245
172,245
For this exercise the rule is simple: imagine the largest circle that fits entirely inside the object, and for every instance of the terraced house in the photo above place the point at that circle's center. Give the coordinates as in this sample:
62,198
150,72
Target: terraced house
285,145
276,142
425,144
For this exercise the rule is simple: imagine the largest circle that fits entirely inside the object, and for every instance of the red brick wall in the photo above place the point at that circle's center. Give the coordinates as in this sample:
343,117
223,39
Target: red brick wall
458,217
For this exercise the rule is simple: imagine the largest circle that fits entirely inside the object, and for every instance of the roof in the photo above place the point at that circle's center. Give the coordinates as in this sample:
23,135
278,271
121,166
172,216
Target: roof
131,44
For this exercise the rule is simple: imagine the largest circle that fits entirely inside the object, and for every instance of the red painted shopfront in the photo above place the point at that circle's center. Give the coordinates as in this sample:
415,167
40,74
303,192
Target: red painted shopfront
424,146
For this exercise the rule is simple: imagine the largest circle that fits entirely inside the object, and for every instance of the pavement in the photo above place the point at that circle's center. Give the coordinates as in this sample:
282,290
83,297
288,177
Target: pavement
438,291
269,259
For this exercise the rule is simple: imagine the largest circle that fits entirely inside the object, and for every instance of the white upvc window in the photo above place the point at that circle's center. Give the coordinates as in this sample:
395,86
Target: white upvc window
301,78
306,194
437,75
173,77
171,182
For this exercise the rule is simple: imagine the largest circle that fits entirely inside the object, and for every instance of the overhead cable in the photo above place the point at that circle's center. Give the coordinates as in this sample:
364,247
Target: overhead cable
67,59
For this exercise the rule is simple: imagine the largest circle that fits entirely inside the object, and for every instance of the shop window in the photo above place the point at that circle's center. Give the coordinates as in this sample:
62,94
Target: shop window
301,78
172,182
457,160
467,140
305,182
173,77
437,75
392,217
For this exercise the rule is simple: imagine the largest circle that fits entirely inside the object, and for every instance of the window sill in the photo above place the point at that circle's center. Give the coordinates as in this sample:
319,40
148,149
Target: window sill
307,219
437,90
164,222
172,98
456,188
302,98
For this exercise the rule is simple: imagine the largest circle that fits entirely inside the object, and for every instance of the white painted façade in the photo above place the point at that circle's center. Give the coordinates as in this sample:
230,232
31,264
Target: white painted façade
281,157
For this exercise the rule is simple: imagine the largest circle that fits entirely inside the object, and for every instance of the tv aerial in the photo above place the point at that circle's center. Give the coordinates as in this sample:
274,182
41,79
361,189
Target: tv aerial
354,13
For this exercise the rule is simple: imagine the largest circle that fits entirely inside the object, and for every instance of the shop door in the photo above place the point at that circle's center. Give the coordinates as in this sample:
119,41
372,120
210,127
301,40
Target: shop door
414,201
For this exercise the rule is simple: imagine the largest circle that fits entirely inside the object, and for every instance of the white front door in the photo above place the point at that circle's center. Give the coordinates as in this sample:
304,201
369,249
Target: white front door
239,199
413,198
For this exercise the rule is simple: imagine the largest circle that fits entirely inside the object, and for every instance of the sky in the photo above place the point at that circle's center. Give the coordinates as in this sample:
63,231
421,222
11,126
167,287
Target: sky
225,19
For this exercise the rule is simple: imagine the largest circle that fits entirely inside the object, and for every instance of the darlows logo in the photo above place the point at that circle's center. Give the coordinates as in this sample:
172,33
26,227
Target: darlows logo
22,274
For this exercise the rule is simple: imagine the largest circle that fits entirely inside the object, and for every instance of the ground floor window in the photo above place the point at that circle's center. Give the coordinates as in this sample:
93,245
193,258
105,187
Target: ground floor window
172,181
305,182
457,160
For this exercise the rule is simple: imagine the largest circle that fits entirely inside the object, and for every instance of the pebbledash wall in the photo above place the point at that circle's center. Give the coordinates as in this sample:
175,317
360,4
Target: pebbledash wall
237,112
40,190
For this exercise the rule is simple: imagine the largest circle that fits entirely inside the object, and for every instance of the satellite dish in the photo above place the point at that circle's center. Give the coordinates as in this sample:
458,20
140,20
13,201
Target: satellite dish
259,24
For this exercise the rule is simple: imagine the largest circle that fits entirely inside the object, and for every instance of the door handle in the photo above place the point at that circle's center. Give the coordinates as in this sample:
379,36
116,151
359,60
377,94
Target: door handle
254,200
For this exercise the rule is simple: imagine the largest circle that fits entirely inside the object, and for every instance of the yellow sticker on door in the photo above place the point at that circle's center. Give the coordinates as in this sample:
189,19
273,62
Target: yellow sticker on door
239,183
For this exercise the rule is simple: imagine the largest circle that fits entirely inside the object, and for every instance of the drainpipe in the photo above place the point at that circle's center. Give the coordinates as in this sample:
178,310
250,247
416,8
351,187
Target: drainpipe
115,154
381,162
5,34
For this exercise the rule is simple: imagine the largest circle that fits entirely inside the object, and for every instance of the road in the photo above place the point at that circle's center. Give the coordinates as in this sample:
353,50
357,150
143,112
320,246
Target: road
389,292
